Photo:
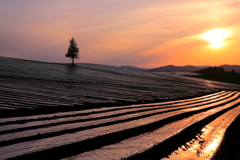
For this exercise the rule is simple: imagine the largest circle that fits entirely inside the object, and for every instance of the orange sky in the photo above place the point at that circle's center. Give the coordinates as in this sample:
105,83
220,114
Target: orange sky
143,33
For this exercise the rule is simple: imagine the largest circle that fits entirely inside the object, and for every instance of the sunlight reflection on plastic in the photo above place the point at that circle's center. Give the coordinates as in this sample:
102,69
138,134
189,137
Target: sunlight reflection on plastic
209,84
205,145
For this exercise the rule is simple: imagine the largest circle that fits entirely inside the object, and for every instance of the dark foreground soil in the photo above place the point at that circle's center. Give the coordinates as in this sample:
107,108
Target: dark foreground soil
230,147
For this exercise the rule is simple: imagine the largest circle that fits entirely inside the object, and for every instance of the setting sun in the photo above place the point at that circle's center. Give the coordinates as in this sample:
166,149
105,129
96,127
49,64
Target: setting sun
216,37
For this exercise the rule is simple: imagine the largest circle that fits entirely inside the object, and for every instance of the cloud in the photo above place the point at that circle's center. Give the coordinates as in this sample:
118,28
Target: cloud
113,32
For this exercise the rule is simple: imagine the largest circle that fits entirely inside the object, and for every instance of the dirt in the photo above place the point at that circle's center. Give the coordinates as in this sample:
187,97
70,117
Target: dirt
230,146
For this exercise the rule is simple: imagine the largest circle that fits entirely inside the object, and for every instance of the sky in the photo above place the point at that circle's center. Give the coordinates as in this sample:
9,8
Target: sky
142,33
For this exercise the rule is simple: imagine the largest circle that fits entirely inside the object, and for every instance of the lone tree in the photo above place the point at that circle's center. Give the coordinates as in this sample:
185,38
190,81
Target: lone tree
72,51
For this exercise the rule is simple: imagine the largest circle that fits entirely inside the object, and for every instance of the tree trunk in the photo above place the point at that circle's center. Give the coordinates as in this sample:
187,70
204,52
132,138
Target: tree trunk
73,61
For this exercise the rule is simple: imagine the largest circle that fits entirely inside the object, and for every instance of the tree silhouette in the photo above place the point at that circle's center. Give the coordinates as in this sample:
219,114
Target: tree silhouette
211,70
72,51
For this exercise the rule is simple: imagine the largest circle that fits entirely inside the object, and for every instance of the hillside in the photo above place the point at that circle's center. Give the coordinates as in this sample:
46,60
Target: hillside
135,68
30,84
172,68
50,111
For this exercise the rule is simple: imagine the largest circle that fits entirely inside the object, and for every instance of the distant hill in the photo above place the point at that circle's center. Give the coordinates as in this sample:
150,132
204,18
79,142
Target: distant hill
219,74
188,68
229,68
135,68
172,68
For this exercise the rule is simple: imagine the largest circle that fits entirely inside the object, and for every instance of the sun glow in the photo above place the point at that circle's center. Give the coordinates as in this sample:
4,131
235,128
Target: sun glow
216,37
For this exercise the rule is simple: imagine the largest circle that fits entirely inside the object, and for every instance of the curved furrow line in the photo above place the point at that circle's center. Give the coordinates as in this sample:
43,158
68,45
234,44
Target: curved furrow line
95,71
109,114
229,148
49,131
65,92
104,109
84,100
45,92
54,71
205,145
91,74
168,146
88,72
29,96
37,97
136,145
128,85
60,68
59,94
60,97
98,137
98,99
31,102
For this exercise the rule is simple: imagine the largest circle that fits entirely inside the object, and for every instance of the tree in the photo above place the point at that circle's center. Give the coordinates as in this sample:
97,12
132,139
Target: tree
211,70
72,51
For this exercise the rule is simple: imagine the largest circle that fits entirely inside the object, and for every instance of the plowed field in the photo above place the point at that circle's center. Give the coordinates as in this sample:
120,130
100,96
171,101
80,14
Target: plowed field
57,111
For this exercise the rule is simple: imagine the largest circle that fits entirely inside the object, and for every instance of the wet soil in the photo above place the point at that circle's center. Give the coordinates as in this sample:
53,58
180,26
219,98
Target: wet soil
160,151
230,146
50,109
165,148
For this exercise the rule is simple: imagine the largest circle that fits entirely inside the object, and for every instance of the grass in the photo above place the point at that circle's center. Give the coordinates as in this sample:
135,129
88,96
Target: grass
227,77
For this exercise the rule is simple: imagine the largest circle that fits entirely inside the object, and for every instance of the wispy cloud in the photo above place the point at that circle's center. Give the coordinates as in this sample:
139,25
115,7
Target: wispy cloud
119,32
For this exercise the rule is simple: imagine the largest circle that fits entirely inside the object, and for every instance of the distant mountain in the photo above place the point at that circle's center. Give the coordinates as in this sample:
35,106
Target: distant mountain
172,68
188,68
135,68
205,66
229,68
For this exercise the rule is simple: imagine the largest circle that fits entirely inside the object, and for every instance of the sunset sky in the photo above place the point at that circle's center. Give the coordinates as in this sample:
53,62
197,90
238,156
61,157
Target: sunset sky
143,33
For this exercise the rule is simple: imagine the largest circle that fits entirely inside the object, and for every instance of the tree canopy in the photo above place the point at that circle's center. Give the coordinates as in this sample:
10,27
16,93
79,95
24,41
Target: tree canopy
211,70
73,50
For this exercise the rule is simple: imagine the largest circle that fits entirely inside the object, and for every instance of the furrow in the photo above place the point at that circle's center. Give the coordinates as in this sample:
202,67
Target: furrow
48,131
106,115
137,145
206,144
104,109
229,148
98,137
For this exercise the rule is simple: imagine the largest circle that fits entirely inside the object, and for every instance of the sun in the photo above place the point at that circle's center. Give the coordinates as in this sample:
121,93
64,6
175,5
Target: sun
216,37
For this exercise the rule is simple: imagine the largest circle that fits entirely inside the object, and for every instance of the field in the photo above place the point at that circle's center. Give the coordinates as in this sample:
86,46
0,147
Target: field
90,111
